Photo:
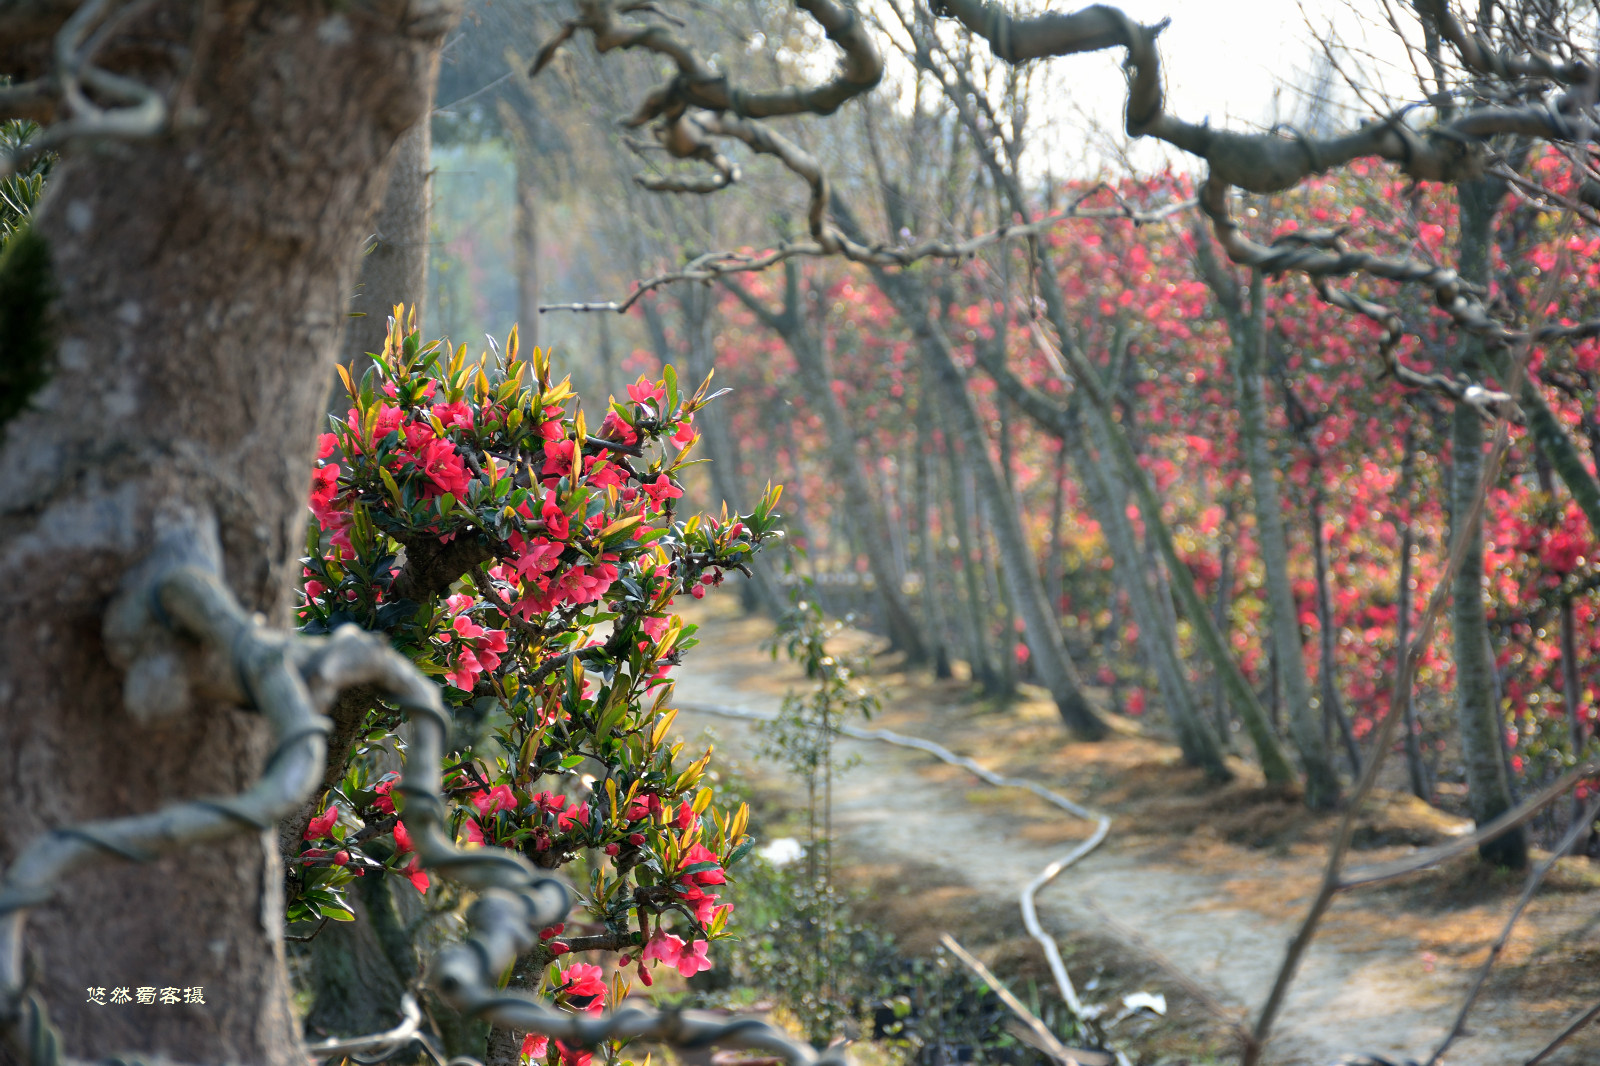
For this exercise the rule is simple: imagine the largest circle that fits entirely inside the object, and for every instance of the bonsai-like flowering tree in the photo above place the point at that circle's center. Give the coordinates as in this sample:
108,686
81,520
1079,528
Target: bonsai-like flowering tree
467,510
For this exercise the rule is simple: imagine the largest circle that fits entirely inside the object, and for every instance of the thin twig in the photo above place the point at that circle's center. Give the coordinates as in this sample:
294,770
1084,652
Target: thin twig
1518,815
1566,1034
1579,825
1047,1041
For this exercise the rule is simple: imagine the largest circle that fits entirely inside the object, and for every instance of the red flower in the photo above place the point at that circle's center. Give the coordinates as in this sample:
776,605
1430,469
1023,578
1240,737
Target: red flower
573,1056
454,414
697,854
324,487
467,669
661,490
402,838
322,824
685,819
615,428
557,458
416,874
572,817
601,474
646,391
643,806
385,801
556,523
585,987
499,798
535,1046
693,959
548,802
443,466
663,946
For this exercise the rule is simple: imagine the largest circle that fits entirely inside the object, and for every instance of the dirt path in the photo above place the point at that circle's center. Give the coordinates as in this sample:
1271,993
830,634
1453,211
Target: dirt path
1370,983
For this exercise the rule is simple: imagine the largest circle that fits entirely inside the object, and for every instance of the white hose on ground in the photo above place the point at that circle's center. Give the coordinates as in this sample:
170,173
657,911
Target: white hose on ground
1030,914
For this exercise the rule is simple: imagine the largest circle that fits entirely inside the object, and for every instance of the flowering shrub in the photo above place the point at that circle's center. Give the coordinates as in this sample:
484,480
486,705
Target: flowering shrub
529,564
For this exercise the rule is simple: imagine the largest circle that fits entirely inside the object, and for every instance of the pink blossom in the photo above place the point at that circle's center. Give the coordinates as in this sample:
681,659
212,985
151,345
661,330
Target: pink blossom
646,391
663,946
498,798
697,854
465,674
442,465
693,959
324,487
601,474
556,523
661,490
557,458
456,414
385,802
322,824
572,817
416,874
585,987
535,1046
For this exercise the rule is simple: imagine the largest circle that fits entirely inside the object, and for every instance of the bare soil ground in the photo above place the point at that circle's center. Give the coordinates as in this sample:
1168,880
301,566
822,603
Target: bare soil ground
1208,881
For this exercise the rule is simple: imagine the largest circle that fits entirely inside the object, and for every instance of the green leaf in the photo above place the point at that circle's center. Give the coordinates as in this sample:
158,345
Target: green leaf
739,852
670,376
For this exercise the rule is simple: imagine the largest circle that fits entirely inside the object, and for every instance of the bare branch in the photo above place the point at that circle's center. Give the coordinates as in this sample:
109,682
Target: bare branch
76,42
713,265
1566,1034
1579,825
1521,814
381,1044
701,85
1043,1038
1481,57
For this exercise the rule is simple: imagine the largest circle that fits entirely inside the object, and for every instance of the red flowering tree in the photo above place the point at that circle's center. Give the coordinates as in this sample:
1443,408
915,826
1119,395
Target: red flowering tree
464,508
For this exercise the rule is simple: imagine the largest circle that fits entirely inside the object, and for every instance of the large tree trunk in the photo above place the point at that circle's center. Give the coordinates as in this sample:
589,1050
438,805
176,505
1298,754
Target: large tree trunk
1477,705
394,263
202,280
